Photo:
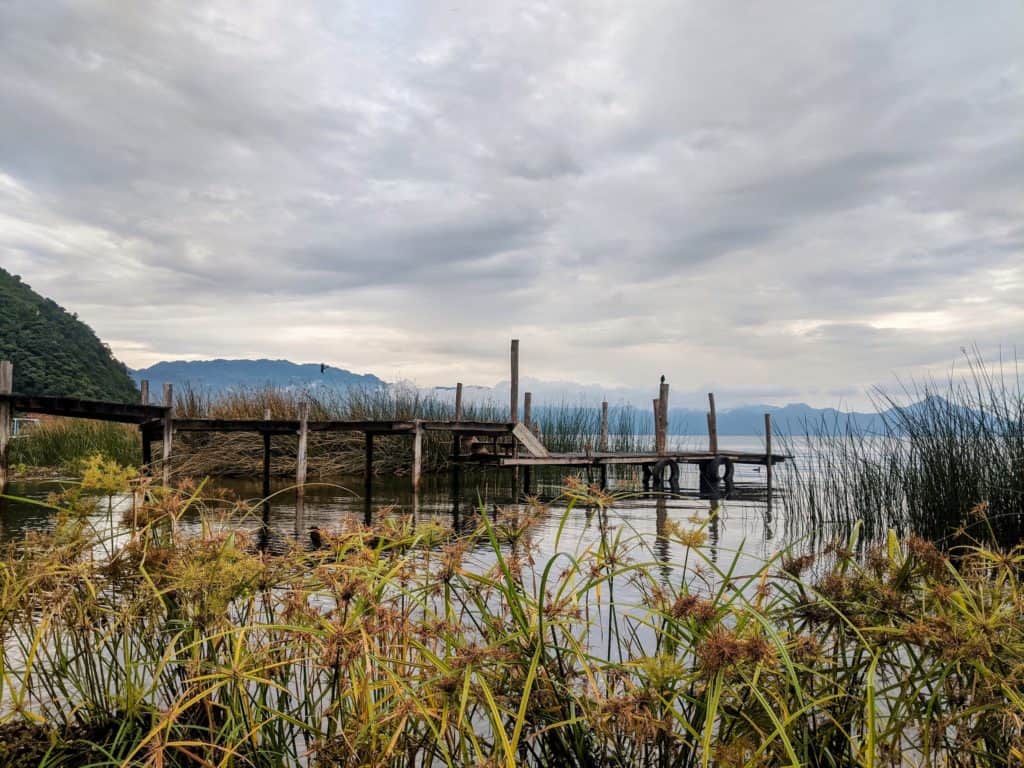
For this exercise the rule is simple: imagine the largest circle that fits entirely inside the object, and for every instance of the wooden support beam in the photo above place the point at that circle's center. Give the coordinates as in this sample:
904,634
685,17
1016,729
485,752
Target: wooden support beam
768,456
528,410
266,457
6,419
712,424
603,445
417,456
168,431
657,424
144,392
300,458
513,414
458,401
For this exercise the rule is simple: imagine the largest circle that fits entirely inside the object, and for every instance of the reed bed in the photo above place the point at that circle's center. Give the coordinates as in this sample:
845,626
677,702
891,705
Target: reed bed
64,444
151,644
945,452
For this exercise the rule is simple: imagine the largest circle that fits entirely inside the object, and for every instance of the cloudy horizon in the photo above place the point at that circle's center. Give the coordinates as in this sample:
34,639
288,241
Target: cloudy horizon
777,201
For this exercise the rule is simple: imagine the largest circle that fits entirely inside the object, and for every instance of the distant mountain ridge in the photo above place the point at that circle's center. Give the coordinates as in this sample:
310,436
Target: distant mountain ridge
224,375
53,351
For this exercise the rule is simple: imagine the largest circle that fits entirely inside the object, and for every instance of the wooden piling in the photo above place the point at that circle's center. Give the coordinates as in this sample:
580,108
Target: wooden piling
301,456
6,419
712,424
657,425
458,401
147,446
514,401
266,456
168,431
528,410
663,399
768,456
603,445
417,455
144,391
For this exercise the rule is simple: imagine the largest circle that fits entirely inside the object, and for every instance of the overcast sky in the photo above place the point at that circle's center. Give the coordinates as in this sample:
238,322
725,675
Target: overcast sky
781,201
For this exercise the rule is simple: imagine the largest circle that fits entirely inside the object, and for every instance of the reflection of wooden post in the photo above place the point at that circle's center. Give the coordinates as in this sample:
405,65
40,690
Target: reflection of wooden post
266,456
168,430
712,424
458,401
417,455
301,457
768,455
6,418
603,445
514,404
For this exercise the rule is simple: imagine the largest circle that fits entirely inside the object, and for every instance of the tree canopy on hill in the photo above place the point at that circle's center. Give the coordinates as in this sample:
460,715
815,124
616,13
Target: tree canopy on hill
55,353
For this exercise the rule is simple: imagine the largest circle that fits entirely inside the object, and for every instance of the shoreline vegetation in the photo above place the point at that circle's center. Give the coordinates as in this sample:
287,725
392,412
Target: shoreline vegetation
146,642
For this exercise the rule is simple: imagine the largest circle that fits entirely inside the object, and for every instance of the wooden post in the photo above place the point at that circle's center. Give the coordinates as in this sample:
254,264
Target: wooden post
657,424
147,445
6,418
663,398
266,456
712,424
458,401
368,466
168,431
417,455
144,390
528,410
603,445
514,404
300,459
768,456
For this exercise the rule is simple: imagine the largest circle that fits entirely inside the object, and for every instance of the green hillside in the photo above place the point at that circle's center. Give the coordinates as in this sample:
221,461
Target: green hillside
55,353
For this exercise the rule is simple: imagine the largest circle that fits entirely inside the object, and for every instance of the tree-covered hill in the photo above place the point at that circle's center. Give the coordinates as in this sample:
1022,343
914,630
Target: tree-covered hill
55,353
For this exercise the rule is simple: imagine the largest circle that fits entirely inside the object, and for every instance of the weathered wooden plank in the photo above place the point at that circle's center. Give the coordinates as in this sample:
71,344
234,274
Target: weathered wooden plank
526,438
6,419
73,407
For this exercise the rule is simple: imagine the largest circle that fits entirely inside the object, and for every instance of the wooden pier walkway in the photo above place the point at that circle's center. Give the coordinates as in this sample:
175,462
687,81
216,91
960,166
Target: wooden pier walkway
513,444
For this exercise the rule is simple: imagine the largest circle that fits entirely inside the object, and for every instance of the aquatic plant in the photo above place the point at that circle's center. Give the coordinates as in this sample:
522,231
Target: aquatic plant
395,644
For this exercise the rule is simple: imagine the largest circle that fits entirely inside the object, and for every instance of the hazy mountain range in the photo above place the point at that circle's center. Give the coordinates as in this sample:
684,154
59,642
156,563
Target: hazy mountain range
224,375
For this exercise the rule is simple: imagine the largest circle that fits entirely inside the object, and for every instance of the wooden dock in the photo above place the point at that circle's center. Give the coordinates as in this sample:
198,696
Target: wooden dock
513,444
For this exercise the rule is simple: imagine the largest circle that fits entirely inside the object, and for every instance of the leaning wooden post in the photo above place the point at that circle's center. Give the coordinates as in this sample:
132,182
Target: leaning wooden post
300,459
6,418
603,445
712,424
458,401
168,431
266,454
417,455
514,403
768,455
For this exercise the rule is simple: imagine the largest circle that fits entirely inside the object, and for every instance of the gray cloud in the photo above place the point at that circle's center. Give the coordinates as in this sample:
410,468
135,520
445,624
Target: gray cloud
764,199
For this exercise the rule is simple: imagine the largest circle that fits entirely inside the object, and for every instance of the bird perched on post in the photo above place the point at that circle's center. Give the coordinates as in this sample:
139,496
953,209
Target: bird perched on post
322,367
663,378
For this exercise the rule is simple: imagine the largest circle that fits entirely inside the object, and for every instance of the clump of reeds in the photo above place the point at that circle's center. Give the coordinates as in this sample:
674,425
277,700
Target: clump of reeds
65,443
398,645
947,462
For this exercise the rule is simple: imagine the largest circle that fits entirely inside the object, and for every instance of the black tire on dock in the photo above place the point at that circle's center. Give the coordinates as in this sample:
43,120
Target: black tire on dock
712,471
658,472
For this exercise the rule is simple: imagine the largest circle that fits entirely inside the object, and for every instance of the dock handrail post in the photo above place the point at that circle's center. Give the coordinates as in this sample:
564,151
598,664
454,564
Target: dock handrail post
6,418
603,445
458,401
768,456
712,424
266,456
417,455
168,431
301,456
514,385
